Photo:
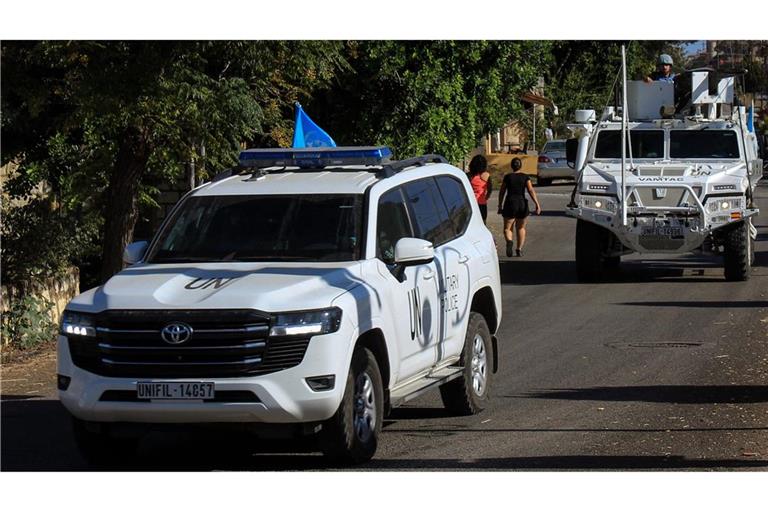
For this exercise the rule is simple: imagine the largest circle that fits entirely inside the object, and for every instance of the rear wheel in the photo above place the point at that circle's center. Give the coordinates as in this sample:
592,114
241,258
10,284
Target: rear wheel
469,393
590,241
738,252
351,435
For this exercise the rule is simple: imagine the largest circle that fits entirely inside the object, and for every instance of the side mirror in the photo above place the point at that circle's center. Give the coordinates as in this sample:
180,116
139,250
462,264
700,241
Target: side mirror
571,151
413,251
134,252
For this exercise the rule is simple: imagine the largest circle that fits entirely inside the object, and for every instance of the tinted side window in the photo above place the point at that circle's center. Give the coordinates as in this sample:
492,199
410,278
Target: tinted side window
392,224
456,202
428,211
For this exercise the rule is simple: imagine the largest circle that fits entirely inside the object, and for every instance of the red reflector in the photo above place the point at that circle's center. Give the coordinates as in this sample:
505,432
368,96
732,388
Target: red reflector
544,159
735,215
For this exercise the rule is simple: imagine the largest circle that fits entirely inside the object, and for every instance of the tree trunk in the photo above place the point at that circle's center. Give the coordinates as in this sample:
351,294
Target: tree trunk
122,200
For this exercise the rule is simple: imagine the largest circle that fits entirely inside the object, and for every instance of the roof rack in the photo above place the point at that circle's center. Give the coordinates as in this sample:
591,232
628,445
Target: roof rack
375,158
399,165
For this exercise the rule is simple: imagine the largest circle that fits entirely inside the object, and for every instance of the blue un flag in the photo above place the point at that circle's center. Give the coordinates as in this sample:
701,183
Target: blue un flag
306,134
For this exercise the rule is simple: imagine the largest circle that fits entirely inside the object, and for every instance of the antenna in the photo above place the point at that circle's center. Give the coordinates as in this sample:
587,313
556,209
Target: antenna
624,129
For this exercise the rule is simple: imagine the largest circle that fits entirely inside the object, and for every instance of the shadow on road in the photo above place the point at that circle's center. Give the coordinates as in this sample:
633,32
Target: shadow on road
530,272
37,436
567,462
523,271
662,394
761,259
417,413
551,213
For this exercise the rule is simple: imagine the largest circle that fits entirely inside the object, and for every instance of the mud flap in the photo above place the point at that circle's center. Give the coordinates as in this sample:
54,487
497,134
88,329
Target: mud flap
495,348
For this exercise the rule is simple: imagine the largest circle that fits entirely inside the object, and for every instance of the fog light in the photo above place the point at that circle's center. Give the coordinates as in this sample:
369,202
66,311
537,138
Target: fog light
322,382
724,205
598,204
62,382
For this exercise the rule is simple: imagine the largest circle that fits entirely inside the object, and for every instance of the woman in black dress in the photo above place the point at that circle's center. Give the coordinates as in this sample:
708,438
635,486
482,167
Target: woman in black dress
514,207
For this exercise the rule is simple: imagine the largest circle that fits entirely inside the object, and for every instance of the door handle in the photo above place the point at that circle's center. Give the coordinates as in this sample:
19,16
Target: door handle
463,259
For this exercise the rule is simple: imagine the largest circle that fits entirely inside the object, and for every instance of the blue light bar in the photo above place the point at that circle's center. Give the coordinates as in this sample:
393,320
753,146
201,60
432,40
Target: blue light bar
315,157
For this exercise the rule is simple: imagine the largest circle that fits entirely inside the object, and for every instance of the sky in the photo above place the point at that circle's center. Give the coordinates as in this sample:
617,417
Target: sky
695,47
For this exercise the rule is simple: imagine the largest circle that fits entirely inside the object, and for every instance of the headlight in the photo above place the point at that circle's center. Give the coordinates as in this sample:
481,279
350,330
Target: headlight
716,204
78,324
604,203
306,323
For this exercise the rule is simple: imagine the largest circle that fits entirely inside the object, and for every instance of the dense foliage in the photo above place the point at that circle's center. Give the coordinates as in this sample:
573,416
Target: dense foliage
429,96
584,73
101,121
27,323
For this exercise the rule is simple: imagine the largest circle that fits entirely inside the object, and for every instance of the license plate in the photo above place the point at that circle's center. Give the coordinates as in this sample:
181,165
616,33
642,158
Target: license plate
663,231
175,390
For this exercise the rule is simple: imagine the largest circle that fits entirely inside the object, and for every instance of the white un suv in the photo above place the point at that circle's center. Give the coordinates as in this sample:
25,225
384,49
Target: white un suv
308,292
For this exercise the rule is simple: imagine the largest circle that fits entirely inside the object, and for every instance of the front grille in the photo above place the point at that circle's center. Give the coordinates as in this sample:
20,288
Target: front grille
664,197
224,343
661,171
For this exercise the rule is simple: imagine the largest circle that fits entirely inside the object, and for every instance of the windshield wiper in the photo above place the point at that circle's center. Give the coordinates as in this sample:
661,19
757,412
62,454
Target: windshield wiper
185,260
272,258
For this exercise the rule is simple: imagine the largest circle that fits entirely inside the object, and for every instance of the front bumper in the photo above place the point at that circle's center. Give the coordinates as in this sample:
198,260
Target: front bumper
282,397
693,231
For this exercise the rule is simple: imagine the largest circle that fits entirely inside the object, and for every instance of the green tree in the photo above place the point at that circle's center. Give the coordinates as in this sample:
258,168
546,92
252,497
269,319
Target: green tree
428,96
583,73
96,119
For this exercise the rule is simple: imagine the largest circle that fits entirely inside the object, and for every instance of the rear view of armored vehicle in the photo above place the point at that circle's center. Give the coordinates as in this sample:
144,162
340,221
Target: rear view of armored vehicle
675,175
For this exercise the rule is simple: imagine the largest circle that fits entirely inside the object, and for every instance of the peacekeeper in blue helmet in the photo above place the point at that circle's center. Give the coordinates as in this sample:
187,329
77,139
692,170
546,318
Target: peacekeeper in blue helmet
663,72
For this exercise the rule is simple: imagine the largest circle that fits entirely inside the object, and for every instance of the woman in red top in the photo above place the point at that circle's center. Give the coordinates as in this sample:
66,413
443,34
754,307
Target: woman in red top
480,179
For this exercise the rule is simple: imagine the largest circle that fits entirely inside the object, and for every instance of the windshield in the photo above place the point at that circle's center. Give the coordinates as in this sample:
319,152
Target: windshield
645,144
262,228
703,144
555,145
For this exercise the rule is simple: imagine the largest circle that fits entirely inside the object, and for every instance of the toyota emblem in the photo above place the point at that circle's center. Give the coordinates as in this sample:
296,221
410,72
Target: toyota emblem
176,333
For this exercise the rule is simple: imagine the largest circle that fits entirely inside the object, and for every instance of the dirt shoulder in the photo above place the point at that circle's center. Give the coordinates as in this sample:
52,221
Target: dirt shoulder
29,375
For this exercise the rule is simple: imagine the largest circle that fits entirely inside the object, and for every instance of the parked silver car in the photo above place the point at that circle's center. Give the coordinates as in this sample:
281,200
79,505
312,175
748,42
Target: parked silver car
552,163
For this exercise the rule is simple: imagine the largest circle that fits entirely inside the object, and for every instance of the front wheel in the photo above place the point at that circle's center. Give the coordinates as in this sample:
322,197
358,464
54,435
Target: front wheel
351,435
738,252
469,393
590,242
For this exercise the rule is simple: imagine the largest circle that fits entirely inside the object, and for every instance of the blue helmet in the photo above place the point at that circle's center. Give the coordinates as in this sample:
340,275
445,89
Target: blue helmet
665,59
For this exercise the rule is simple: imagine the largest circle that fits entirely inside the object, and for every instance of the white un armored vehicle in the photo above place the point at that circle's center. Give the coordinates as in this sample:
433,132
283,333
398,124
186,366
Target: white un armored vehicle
682,181
306,294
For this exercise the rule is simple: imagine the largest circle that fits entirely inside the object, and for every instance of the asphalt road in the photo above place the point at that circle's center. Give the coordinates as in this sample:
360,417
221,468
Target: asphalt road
662,367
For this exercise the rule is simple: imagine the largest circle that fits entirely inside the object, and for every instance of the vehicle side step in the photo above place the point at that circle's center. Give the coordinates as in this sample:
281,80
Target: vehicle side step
413,389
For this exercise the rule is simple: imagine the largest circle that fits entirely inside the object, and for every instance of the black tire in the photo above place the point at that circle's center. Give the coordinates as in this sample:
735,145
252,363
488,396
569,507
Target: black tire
543,182
612,262
590,242
351,435
99,448
739,253
469,393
